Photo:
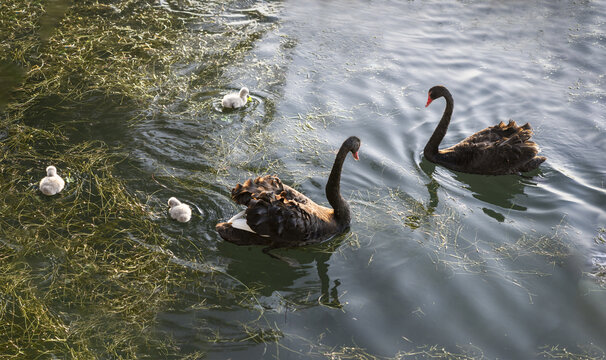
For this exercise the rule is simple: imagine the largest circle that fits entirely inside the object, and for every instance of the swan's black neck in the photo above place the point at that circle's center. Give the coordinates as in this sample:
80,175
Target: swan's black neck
431,149
333,188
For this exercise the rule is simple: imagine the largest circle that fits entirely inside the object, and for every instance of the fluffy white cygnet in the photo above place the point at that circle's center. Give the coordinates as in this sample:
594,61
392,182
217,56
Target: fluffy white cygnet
52,183
235,100
178,211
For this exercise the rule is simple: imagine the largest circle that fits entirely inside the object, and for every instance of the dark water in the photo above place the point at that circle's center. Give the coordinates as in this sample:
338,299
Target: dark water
492,266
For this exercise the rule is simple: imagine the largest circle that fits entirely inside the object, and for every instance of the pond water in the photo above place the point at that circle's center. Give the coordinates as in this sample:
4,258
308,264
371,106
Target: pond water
477,265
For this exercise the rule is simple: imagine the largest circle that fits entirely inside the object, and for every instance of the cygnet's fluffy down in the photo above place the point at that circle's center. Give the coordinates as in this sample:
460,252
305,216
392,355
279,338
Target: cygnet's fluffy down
52,183
235,100
178,211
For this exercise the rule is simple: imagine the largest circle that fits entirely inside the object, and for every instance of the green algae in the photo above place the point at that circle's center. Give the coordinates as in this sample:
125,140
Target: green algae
80,272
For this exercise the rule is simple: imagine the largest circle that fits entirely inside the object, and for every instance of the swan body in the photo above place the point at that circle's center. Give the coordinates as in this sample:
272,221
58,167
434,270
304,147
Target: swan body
497,150
235,100
179,211
277,215
52,183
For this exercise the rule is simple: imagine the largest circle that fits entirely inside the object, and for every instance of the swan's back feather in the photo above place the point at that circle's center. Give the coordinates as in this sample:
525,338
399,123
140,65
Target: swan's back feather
181,212
283,214
262,187
496,150
51,185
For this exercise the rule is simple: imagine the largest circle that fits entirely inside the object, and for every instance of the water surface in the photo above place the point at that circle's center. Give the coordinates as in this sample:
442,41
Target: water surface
478,265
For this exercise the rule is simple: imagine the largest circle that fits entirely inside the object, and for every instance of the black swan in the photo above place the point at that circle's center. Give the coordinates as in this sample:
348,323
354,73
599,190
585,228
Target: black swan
497,150
277,215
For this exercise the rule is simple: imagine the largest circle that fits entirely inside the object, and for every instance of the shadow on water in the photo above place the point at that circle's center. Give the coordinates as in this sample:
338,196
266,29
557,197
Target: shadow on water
290,279
99,117
497,190
500,191
11,76
432,186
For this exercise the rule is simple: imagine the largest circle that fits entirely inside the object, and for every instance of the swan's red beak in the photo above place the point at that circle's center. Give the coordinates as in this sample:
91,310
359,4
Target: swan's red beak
429,100
355,155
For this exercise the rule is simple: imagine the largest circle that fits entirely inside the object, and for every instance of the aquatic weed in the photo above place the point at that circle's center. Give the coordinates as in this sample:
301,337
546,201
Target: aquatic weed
83,274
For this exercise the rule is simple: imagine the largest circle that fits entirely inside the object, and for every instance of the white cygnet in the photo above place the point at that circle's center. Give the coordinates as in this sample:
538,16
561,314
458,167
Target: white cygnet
235,100
52,183
178,211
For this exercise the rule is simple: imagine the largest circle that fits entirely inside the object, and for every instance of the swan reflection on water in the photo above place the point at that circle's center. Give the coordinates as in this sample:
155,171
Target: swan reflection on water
501,191
291,279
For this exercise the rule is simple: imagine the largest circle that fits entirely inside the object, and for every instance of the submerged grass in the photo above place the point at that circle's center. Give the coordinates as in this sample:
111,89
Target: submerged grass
451,247
97,48
69,267
80,272
85,273
581,352
599,269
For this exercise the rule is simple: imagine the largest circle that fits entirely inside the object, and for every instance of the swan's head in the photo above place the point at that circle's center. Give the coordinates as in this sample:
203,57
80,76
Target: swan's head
353,144
172,202
435,93
51,171
244,93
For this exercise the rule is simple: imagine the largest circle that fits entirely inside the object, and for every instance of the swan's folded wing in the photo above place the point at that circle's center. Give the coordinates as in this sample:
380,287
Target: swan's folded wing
275,216
291,194
252,189
498,132
281,212
497,148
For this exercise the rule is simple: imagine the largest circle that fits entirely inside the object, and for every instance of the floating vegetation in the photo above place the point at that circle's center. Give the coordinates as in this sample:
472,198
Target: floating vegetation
90,272
481,257
440,231
83,273
317,350
598,272
68,265
582,352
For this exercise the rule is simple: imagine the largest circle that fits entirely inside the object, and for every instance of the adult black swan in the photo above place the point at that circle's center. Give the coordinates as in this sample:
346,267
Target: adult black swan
497,150
277,215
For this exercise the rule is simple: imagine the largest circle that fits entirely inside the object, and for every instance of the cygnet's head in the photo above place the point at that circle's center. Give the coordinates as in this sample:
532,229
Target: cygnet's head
244,93
51,171
172,202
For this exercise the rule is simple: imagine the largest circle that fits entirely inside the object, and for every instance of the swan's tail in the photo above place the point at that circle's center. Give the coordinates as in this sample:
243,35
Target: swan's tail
240,237
532,164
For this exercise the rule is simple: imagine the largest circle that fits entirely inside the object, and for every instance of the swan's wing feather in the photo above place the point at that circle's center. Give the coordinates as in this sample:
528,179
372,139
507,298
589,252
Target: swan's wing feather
496,133
281,212
278,217
498,149
291,194
252,189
